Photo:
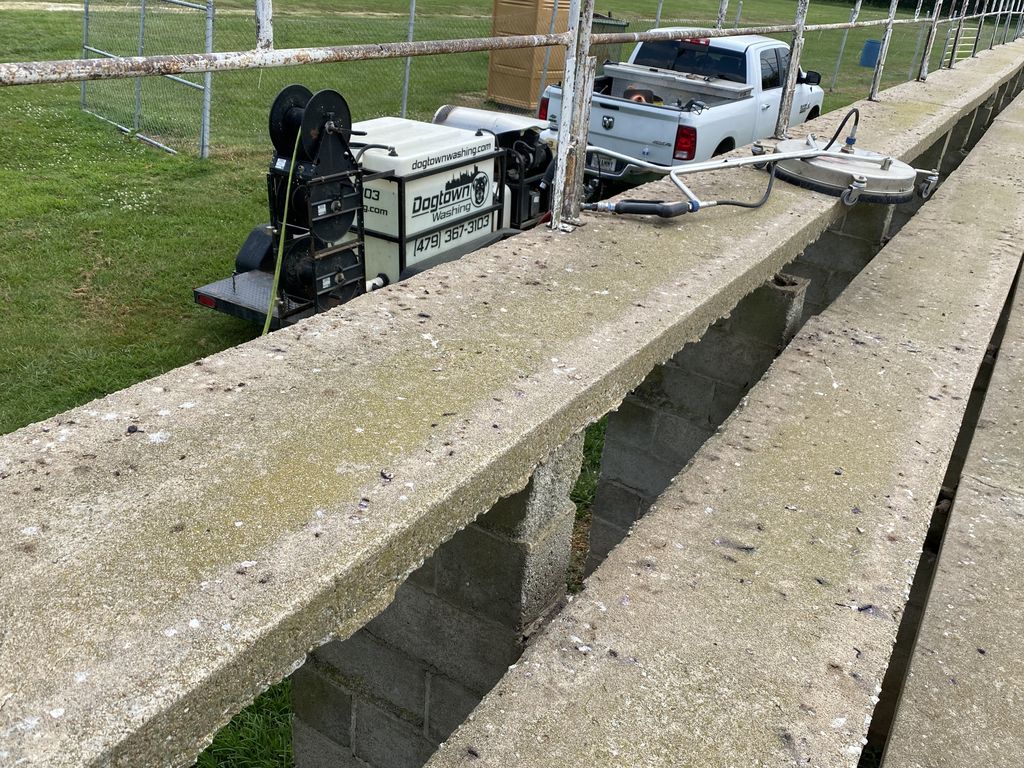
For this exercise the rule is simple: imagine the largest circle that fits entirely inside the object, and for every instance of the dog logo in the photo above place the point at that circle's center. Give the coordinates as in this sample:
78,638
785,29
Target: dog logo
480,184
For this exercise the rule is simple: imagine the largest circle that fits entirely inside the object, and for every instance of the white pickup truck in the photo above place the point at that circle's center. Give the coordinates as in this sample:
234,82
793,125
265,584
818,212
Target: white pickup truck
687,99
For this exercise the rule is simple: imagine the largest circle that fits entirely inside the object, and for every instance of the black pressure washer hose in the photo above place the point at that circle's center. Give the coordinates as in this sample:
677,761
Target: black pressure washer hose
669,210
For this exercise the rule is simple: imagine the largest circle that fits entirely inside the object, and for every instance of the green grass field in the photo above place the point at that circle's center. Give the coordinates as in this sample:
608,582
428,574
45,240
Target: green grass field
104,238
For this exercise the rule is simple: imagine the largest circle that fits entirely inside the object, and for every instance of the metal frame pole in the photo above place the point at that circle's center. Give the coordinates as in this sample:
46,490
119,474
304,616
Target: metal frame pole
795,51
1009,17
408,59
739,13
981,26
657,15
930,42
723,8
876,81
547,52
137,113
920,38
842,45
999,20
264,24
85,47
204,120
573,120
1002,20
1020,26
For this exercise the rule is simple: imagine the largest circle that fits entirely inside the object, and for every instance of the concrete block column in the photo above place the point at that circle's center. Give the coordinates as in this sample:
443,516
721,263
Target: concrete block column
388,695
842,251
662,423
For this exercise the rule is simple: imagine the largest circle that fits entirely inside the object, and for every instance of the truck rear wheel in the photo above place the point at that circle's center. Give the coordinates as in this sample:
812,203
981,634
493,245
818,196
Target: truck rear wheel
812,114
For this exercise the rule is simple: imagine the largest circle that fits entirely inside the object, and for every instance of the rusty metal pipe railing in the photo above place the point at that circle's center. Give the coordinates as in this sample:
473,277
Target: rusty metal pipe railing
75,70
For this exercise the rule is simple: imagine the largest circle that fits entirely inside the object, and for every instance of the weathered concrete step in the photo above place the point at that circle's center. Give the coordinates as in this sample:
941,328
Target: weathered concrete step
171,549
960,704
749,618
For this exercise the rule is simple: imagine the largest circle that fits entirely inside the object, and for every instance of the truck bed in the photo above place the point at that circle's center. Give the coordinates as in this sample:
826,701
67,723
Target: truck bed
671,86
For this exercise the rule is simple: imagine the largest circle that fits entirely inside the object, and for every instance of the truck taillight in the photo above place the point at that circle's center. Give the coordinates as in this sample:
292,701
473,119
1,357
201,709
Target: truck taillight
542,110
686,143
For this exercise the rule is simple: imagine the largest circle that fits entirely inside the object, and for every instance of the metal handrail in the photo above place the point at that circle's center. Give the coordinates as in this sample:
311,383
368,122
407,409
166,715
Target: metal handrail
577,41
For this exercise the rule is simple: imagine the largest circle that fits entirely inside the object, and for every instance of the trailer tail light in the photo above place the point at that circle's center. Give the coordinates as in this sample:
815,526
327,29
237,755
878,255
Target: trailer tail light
206,301
686,143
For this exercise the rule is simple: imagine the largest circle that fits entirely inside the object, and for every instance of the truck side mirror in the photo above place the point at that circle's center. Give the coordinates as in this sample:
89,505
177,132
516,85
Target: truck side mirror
811,78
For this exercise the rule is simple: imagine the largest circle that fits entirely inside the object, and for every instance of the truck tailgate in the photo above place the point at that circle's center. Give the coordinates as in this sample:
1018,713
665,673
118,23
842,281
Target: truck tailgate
636,129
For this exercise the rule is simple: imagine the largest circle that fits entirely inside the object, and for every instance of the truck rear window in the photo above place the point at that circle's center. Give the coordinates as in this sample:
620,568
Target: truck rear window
697,59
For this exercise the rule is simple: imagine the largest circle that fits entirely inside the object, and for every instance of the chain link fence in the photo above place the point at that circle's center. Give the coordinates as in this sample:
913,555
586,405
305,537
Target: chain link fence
170,111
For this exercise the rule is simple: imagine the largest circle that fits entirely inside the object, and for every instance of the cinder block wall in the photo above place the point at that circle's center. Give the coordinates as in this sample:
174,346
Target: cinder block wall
661,424
388,695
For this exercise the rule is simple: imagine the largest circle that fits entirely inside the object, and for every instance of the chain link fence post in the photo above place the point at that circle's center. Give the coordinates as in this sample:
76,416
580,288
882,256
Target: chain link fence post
795,51
408,59
137,111
739,13
723,8
85,48
204,119
264,24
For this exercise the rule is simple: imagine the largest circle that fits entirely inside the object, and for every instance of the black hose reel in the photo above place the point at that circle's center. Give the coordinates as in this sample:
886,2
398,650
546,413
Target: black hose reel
323,253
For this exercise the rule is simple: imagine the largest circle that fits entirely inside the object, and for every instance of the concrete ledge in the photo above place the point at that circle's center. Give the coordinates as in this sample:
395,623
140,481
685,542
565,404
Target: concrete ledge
749,618
173,548
959,704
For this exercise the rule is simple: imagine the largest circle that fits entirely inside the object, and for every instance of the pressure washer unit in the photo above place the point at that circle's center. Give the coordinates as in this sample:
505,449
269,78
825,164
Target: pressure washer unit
371,203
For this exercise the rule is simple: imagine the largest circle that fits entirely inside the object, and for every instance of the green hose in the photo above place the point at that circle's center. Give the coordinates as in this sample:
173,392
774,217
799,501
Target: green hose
280,242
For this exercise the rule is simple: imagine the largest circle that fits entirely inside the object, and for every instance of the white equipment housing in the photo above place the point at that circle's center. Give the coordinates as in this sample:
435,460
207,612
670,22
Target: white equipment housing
432,195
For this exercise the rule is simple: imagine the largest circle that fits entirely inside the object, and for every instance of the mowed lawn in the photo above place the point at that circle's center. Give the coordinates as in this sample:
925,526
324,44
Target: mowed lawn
104,238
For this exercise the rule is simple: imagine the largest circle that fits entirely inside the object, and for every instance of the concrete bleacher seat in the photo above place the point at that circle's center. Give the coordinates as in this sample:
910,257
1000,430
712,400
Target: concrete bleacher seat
749,618
174,548
961,702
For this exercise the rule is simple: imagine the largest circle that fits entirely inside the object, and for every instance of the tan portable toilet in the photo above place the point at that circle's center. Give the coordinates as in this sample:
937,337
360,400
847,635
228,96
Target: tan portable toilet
514,76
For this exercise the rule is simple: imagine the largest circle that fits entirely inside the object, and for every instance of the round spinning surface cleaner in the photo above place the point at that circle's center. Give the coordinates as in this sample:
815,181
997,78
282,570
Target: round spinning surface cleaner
852,174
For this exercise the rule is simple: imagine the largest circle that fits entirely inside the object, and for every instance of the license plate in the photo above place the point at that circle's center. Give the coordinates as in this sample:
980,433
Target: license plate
601,163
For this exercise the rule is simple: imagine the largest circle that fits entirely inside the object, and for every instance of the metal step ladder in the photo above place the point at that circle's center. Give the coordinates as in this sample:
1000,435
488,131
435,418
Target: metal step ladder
964,47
